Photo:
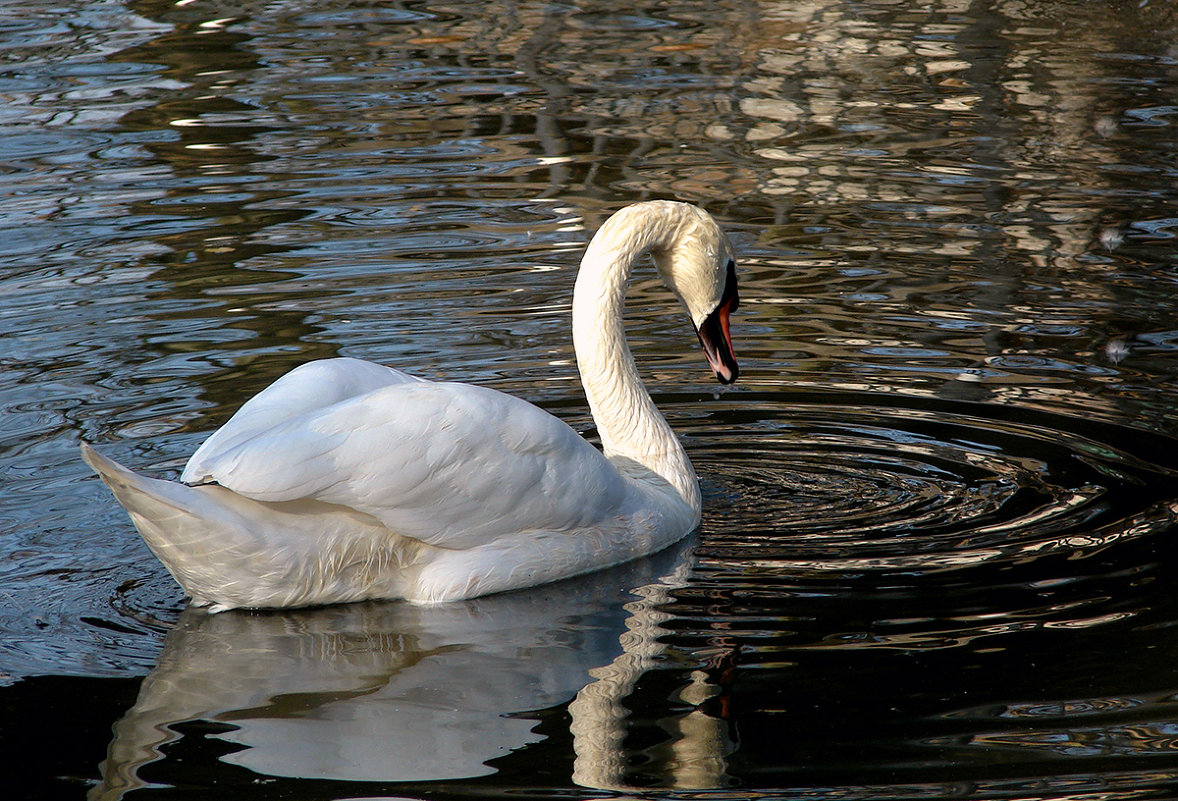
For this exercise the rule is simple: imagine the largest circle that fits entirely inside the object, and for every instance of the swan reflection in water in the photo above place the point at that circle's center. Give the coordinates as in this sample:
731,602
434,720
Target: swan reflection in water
395,692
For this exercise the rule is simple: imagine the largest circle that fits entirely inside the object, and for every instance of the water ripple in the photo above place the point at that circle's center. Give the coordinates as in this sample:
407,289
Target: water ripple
832,487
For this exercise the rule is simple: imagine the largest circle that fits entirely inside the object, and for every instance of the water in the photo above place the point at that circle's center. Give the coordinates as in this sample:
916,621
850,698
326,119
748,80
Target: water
937,550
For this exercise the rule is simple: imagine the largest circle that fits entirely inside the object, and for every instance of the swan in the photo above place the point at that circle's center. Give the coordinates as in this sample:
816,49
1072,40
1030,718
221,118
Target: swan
346,480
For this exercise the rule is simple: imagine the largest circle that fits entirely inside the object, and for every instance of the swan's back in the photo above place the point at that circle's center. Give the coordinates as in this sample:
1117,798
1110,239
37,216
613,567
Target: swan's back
305,389
453,465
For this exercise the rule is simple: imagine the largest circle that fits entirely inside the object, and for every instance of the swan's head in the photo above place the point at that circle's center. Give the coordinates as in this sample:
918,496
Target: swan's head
694,258
697,263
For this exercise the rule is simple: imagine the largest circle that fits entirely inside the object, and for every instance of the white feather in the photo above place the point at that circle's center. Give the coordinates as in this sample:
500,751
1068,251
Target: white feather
347,480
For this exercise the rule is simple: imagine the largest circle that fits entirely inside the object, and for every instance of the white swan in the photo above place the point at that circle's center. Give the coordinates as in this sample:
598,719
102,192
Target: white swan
346,480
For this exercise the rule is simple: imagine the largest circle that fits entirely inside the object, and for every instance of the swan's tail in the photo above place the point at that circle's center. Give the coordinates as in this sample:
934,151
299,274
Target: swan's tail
175,520
147,497
229,551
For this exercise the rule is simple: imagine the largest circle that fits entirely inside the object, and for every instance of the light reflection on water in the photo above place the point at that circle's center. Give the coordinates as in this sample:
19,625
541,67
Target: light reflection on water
935,551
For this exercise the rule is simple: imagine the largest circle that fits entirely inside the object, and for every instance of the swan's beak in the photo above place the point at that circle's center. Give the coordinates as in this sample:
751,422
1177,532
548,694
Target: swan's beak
714,335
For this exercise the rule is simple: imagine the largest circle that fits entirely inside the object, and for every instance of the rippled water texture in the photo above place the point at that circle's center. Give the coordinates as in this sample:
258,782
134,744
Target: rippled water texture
937,556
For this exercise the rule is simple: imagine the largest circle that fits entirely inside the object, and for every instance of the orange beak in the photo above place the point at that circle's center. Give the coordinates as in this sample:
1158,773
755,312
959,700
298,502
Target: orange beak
715,337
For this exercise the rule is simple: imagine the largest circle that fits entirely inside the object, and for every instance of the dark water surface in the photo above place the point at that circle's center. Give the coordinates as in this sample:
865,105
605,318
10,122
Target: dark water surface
938,555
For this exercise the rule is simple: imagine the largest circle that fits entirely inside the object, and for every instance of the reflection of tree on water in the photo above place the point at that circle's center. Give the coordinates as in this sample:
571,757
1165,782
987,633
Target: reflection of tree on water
396,693
219,203
961,150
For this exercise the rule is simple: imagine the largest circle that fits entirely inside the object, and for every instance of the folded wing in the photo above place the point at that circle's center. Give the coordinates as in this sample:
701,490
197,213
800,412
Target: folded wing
451,464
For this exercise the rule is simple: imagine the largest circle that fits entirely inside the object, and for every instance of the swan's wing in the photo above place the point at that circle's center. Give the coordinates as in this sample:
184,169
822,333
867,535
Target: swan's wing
453,465
310,387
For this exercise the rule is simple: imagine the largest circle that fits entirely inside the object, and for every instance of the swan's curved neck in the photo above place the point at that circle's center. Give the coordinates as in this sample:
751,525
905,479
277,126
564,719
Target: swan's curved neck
631,427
